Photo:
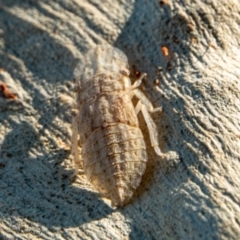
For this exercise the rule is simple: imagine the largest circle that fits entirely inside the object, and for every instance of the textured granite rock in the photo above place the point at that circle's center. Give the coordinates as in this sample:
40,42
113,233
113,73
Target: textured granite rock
192,48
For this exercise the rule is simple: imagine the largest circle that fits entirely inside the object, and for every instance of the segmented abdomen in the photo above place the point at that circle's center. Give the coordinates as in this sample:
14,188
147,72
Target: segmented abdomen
114,158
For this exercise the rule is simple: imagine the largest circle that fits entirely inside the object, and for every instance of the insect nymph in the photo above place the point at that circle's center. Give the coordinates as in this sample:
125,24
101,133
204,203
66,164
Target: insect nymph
105,126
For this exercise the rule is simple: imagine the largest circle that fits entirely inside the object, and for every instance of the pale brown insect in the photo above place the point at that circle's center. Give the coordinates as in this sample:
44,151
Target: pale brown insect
105,126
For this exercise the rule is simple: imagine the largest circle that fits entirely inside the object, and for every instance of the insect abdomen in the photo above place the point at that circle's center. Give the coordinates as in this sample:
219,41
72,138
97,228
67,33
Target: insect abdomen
113,149
114,161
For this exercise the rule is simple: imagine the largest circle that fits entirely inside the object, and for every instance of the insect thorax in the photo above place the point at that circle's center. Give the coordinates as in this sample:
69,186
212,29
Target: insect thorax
105,101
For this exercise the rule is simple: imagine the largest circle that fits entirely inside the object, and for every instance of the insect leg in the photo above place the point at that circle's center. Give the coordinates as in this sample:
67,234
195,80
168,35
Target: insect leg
145,106
145,101
138,82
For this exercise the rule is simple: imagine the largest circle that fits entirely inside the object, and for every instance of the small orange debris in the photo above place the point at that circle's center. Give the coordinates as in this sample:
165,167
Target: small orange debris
136,72
165,51
7,93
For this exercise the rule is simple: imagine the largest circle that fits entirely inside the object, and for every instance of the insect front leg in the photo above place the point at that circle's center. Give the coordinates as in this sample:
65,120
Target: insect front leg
145,106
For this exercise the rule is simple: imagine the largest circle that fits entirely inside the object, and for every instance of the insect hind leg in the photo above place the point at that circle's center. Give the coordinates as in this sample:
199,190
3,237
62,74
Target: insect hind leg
145,106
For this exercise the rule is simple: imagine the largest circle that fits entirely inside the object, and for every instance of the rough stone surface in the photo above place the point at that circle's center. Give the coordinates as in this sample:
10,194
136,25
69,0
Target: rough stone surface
192,48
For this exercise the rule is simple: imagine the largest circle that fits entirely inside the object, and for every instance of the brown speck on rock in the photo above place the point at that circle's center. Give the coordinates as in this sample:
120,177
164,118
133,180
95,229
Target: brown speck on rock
6,92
